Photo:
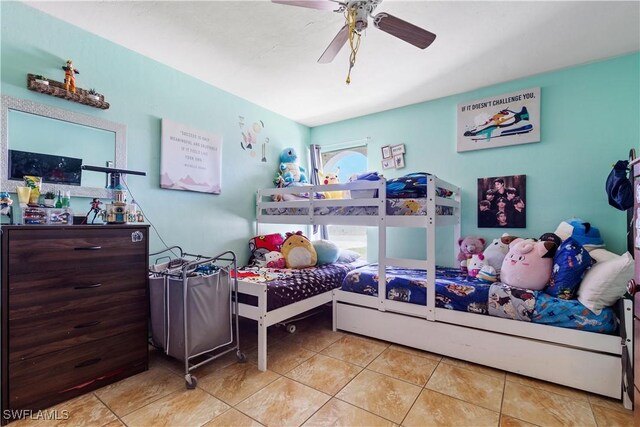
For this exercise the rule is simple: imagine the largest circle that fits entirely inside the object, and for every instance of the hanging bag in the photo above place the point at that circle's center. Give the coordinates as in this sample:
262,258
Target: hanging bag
619,187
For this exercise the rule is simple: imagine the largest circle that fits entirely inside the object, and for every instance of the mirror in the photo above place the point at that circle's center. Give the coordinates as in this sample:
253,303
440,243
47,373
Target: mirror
53,143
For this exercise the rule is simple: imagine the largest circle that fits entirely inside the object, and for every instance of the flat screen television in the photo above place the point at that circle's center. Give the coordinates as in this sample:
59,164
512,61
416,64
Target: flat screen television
51,168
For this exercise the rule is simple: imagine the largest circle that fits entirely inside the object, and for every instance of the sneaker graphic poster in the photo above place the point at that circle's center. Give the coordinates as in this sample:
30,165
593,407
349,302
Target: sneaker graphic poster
499,121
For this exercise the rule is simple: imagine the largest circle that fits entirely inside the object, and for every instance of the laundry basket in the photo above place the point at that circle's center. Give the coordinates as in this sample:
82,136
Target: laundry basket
208,303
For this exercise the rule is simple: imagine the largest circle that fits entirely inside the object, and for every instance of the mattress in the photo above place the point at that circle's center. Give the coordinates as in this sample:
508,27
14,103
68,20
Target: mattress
461,293
286,286
394,207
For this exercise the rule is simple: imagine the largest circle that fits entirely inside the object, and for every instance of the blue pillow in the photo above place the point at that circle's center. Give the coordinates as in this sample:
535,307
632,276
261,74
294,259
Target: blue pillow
569,266
347,256
327,251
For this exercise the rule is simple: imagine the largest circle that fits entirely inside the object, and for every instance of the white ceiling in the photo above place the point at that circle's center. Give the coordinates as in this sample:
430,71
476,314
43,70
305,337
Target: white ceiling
266,53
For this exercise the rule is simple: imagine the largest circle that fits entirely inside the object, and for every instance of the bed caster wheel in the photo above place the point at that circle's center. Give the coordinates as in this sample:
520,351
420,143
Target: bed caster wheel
242,358
291,328
190,381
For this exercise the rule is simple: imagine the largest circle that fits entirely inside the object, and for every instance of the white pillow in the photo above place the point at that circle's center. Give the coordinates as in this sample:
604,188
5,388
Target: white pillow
605,282
602,255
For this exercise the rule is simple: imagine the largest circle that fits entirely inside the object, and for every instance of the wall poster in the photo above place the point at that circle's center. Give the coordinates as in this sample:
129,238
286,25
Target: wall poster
191,159
499,121
501,202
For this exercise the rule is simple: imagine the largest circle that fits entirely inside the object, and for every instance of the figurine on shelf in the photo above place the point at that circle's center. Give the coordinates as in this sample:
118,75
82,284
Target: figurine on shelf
5,203
95,208
70,76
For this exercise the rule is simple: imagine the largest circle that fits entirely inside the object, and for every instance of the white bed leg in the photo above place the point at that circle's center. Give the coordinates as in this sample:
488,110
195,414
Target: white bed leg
334,314
262,346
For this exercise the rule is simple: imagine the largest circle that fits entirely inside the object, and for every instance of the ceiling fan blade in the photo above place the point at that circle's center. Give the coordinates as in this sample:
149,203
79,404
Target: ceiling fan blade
403,30
311,4
334,47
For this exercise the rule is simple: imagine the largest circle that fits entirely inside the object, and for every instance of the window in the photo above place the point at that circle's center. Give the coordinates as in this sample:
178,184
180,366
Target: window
347,162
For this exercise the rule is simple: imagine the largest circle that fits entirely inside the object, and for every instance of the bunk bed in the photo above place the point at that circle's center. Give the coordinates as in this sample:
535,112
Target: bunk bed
596,362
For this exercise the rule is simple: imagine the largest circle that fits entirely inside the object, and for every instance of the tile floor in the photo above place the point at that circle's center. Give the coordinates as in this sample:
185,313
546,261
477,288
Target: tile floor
317,377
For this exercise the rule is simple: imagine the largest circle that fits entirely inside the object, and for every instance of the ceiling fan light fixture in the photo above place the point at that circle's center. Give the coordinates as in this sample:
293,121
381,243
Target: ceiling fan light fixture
357,14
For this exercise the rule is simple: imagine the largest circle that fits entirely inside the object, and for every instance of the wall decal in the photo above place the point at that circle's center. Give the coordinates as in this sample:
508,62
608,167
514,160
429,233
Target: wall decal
190,159
252,137
499,121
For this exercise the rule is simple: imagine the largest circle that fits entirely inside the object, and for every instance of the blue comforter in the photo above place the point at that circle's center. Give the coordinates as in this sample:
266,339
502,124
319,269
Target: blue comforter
462,293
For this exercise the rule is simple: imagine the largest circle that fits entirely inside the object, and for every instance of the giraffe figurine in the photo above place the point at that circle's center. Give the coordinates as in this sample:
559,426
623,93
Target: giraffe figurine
70,76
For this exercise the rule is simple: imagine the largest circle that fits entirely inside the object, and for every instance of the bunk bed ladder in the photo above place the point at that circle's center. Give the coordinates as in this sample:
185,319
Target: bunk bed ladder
431,249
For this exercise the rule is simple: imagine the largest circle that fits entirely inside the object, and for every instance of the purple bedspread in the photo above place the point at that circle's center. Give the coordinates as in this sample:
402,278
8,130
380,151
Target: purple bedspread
286,286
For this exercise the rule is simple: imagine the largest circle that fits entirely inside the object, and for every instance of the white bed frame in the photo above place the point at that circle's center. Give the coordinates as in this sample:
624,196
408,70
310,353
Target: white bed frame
584,360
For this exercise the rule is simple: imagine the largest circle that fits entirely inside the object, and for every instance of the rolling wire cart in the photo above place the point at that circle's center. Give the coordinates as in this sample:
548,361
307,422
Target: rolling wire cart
191,313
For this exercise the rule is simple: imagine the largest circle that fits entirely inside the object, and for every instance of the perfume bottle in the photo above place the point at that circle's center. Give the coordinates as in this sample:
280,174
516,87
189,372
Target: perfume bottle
59,201
66,199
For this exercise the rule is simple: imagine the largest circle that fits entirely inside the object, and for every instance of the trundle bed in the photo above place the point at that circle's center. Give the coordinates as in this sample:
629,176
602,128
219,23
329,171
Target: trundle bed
598,362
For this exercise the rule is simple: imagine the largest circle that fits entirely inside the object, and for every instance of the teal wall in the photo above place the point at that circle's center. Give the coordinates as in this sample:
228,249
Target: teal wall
142,92
590,117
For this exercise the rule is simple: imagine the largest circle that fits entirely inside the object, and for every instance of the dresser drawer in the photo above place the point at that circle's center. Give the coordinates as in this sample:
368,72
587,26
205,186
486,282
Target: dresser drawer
57,249
45,333
36,379
32,294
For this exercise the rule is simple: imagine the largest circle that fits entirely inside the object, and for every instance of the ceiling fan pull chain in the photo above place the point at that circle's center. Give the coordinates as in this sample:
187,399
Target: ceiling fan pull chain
353,34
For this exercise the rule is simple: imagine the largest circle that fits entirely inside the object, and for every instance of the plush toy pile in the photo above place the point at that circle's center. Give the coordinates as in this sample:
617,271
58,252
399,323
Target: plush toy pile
567,264
294,251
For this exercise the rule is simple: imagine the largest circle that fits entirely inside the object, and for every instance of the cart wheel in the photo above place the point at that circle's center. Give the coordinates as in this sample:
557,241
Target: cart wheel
190,381
291,328
242,358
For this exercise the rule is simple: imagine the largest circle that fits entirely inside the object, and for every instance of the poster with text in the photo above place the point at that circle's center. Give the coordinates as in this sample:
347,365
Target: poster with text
502,202
508,119
191,159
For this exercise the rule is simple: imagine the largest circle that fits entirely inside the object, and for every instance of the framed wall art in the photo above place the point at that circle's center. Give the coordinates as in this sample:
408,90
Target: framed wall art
499,121
191,159
386,152
398,161
397,149
388,163
501,202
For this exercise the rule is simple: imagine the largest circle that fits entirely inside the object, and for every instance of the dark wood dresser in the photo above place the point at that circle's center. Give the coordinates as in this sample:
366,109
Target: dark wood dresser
74,311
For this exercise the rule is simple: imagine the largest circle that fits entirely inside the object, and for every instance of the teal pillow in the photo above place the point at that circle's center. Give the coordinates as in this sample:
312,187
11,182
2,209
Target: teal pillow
327,251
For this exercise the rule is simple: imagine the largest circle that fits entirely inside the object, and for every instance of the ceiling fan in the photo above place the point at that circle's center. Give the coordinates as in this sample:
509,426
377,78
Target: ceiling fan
357,14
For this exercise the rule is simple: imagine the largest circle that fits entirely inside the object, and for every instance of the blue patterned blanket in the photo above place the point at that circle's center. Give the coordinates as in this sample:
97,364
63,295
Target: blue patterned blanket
462,293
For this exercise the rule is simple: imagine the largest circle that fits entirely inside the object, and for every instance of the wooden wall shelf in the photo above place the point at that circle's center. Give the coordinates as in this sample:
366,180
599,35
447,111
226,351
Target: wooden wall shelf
57,89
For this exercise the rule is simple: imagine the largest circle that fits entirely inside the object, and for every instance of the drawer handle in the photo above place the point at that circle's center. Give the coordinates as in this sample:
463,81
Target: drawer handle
96,285
87,248
88,362
88,324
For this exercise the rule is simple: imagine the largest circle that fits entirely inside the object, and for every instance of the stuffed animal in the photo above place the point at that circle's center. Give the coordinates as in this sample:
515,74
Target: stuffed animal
496,251
487,274
331,178
298,251
289,168
262,245
528,264
475,263
327,251
468,246
583,232
275,259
